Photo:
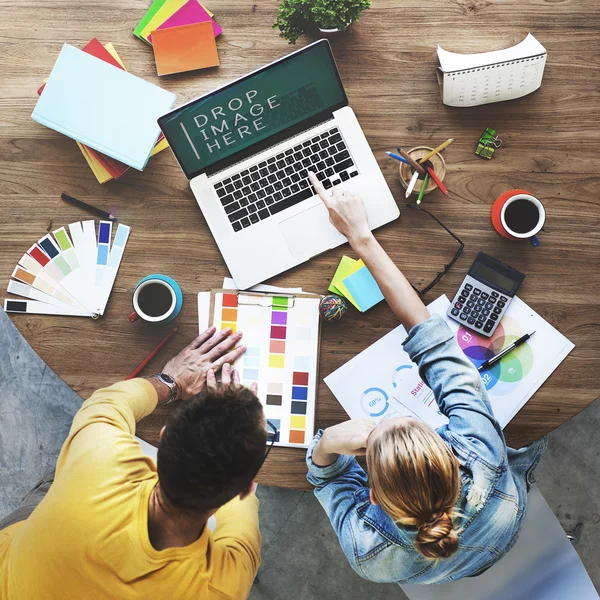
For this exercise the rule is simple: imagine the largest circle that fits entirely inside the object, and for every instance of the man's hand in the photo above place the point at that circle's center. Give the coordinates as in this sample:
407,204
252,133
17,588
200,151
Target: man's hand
349,438
210,351
229,376
347,212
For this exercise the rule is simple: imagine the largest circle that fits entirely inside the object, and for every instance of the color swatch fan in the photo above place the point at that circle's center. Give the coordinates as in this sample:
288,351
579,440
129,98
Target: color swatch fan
281,334
69,273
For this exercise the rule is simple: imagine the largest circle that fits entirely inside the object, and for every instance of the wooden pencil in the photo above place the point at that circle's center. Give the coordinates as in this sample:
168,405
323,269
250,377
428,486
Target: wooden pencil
411,162
436,151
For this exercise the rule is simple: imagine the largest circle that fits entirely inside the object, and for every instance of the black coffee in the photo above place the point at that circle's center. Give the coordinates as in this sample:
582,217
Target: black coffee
521,216
155,300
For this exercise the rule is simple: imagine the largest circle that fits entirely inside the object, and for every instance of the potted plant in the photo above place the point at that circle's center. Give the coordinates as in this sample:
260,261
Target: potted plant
310,16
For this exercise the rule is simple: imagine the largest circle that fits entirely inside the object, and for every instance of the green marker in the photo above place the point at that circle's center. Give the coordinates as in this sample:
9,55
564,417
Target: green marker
423,186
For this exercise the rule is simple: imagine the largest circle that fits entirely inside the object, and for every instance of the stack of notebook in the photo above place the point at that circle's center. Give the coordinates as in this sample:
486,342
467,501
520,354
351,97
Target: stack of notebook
112,114
182,34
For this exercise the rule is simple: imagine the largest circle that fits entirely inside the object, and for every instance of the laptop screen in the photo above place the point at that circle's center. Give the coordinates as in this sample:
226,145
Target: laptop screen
256,111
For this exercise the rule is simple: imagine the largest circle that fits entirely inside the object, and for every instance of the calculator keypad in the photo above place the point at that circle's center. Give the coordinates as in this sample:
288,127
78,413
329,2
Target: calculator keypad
477,308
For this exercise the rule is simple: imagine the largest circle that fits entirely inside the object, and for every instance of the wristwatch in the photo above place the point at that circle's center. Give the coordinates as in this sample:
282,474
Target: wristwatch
170,383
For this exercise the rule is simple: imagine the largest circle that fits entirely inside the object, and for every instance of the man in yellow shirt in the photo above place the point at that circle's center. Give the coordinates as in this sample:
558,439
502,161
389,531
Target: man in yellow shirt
113,525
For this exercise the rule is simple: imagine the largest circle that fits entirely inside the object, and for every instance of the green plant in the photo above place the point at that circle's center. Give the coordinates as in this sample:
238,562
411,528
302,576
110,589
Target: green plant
308,16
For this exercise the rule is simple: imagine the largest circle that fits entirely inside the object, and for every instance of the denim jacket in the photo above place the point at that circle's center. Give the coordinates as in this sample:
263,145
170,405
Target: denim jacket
495,479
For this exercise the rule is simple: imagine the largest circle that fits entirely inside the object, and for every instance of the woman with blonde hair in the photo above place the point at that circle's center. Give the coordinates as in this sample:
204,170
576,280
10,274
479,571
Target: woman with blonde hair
438,504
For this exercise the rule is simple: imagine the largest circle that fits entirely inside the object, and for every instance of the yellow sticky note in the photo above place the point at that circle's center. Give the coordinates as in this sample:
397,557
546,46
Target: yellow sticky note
346,267
297,422
163,13
276,361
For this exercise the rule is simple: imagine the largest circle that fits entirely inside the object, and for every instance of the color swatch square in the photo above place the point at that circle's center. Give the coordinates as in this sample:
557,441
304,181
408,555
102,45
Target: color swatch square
229,314
303,334
250,375
279,318
297,422
273,400
275,388
300,378
298,407
277,361
233,326
277,347
280,303
297,437
278,333
301,363
230,300
251,361
299,393
185,48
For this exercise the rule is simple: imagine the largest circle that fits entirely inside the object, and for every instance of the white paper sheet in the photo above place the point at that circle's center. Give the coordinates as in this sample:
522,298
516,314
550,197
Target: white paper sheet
381,381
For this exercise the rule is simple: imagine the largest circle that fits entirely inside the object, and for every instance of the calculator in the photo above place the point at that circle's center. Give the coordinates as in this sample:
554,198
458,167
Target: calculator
484,294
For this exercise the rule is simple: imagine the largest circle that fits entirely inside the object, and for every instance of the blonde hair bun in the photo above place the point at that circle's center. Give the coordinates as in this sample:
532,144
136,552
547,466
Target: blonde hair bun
436,538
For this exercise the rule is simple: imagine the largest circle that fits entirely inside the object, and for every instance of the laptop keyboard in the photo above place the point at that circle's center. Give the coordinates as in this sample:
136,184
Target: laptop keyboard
275,184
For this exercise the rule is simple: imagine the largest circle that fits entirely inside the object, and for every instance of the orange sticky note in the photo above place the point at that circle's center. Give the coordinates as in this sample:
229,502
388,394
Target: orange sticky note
185,48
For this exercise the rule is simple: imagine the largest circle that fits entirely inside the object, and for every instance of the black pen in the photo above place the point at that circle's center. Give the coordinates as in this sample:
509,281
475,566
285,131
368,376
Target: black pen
89,207
492,361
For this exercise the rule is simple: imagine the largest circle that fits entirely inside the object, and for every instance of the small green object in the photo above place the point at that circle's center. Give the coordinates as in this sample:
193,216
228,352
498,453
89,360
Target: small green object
280,303
296,17
423,186
154,8
485,151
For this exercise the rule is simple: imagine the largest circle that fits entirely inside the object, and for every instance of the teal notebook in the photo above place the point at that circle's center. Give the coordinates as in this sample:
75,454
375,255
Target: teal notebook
103,107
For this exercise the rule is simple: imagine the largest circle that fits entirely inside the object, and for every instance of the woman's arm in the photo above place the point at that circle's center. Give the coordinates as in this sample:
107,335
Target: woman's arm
348,214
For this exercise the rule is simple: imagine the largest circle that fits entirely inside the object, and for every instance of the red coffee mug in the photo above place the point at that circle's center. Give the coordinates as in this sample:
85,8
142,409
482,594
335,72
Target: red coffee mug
499,221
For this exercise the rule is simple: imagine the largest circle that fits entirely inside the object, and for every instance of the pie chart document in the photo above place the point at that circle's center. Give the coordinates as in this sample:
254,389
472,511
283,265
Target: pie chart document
382,382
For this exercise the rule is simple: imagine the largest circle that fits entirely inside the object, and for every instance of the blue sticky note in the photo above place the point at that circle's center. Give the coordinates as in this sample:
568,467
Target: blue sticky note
105,108
364,289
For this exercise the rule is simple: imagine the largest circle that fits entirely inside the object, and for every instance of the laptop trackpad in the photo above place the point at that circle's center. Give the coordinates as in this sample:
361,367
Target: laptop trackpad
310,233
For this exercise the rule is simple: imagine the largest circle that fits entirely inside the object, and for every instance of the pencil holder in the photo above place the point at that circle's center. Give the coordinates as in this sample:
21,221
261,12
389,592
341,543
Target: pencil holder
406,171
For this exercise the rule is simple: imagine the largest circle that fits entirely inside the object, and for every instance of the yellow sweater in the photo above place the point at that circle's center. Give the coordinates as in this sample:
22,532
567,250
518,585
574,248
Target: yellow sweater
88,539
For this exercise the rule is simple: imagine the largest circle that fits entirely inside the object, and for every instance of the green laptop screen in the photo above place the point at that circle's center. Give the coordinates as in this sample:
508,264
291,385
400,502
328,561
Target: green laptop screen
249,111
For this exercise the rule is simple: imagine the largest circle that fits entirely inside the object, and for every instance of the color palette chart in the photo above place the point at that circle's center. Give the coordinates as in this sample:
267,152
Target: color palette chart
69,273
282,338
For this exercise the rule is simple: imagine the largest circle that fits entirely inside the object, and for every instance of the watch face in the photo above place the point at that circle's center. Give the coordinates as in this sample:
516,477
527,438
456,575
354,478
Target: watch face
167,378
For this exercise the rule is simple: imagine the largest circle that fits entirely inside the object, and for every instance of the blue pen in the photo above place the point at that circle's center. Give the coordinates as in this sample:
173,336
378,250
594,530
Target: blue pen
397,157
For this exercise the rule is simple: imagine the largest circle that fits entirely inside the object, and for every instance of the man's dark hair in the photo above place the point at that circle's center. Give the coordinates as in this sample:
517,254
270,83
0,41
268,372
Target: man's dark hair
212,448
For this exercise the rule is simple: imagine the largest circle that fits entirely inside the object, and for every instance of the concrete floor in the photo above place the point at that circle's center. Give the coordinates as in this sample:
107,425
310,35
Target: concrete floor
301,555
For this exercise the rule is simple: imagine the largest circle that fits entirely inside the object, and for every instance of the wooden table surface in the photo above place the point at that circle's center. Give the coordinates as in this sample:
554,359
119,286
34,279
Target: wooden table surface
387,61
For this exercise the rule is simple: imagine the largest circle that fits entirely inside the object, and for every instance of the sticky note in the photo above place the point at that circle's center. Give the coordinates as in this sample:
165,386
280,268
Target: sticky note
185,48
363,288
346,267
190,12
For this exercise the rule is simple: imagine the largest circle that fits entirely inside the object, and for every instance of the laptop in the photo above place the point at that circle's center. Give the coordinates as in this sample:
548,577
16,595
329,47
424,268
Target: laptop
246,149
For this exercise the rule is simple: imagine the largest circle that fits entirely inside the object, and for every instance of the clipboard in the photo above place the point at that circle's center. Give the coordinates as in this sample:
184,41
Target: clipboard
282,333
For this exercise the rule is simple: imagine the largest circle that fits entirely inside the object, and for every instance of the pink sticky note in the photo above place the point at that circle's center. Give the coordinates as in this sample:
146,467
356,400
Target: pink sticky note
190,12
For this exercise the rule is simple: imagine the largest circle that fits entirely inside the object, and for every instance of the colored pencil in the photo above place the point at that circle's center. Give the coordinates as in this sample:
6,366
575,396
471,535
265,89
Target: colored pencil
89,207
423,186
397,157
410,161
153,353
411,185
437,180
434,152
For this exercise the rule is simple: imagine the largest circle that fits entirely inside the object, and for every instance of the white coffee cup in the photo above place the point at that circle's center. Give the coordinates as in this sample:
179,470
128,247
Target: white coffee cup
531,235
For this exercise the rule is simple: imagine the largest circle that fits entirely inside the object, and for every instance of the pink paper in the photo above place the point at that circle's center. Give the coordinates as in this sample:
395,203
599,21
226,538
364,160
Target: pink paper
190,12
